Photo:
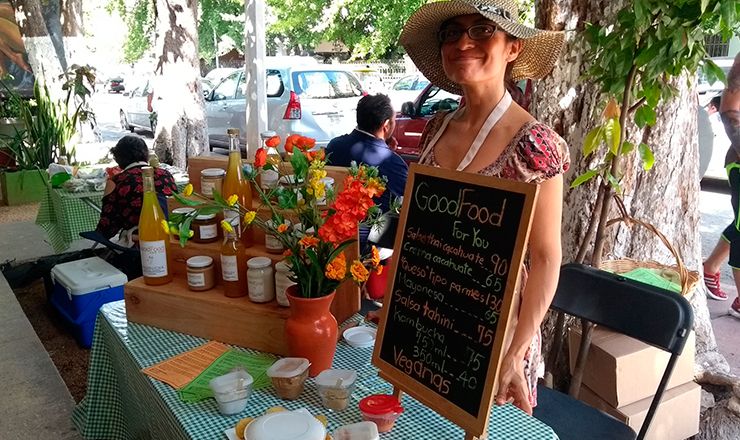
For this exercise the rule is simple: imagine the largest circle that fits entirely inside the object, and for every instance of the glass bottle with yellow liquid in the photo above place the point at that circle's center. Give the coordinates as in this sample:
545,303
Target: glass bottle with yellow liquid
236,183
154,241
233,267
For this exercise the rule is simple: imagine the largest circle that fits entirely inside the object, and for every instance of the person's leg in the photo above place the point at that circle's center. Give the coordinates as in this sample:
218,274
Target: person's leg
733,234
719,255
735,306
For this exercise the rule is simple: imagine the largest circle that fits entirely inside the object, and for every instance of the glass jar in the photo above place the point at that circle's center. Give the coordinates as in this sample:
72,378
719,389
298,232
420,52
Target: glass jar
273,244
201,275
211,179
205,228
282,282
260,281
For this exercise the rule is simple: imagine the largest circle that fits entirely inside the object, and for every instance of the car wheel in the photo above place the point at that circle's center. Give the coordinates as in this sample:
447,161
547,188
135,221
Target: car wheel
124,122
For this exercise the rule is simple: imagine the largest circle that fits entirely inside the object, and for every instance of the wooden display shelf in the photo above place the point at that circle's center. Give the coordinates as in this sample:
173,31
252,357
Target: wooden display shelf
208,314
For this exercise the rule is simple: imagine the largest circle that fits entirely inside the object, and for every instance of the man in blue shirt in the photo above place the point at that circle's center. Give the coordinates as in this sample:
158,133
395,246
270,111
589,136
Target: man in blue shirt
368,144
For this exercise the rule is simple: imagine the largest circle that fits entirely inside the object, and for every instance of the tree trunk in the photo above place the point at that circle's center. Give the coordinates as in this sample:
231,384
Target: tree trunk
666,196
45,50
181,130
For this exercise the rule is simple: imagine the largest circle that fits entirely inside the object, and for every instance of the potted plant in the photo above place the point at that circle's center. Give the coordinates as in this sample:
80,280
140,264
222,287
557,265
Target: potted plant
317,251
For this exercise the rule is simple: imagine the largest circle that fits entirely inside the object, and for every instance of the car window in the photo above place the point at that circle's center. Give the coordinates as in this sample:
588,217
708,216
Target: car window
404,83
326,84
438,100
274,84
227,88
421,84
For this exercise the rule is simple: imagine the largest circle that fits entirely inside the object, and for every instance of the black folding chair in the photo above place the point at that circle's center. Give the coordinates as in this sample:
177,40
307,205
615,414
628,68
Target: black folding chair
652,315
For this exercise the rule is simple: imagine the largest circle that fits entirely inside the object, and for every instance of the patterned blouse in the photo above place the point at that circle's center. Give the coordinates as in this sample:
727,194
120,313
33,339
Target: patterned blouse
121,208
535,154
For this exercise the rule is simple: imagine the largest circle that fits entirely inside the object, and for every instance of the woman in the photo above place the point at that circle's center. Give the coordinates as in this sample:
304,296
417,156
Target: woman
491,135
124,190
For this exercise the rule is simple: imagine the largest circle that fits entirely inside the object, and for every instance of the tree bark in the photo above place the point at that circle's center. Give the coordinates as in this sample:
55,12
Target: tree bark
181,125
666,196
44,54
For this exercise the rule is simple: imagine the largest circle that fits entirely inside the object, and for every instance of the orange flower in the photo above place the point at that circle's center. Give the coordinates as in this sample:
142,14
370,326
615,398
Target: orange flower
282,228
287,253
308,241
337,269
375,256
290,142
273,142
305,143
375,188
359,272
319,154
260,158
379,270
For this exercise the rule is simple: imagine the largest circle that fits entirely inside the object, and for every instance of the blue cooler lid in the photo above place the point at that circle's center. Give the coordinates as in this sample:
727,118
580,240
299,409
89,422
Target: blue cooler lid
89,275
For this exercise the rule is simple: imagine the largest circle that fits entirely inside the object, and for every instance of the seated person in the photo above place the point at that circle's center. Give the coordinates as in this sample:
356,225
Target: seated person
124,190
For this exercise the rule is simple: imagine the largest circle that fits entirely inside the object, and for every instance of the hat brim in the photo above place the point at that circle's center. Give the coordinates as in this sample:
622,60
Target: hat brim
540,49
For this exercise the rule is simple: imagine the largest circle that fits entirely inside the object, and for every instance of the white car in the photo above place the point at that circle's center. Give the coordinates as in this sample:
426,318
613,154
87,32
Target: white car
315,100
407,89
134,113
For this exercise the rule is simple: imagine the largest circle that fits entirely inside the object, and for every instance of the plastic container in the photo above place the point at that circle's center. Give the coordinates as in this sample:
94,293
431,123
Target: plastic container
80,288
260,280
335,388
232,391
357,431
288,376
286,425
381,409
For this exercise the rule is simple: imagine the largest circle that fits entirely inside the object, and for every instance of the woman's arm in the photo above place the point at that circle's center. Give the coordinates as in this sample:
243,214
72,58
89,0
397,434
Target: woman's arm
545,258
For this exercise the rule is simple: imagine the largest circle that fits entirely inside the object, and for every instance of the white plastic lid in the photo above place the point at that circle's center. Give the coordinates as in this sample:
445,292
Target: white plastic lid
286,425
230,382
267,134
357,431
259,262
213,172
282,266
336,378
361,336
205,216
288,367
183,211
88,275
199,261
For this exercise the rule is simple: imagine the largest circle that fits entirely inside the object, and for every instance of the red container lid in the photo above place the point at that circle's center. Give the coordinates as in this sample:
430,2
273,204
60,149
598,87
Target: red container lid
380,404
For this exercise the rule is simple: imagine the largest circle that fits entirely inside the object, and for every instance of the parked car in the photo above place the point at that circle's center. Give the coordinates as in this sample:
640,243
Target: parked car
371,79
314,100
115,85
407,89
134,112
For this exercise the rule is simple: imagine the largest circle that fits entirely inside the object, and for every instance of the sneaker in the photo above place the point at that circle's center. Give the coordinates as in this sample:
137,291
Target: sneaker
735,308
714,290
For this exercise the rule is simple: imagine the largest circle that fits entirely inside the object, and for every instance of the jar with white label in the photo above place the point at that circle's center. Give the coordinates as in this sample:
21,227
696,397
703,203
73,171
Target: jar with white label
282,282
260,281
273,244
201,274
205,228
211,179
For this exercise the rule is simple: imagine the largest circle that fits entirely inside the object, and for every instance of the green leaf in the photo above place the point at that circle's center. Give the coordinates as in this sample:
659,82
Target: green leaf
583,178
646,154
287,199
645,115
300,164
703,6
614,183
218,198
612,135
713,72
187,202
627,147
592,140
185,229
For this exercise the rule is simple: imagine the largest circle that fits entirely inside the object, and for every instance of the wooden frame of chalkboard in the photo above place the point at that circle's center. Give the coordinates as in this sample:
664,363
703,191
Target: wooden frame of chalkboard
458,253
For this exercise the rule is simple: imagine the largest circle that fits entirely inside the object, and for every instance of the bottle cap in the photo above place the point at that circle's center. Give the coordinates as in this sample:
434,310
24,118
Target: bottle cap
232,131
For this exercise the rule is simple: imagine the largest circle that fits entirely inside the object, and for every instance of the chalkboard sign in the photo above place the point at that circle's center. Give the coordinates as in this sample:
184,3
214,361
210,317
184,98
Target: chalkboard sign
456,262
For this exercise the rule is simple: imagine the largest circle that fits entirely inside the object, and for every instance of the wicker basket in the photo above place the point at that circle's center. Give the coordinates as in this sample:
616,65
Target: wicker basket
688,278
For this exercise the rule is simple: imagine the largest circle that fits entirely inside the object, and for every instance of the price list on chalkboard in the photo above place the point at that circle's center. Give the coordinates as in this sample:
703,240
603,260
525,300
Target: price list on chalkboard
456,265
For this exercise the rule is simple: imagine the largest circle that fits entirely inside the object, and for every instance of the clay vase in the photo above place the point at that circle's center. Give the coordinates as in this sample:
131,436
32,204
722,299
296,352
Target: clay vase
311,330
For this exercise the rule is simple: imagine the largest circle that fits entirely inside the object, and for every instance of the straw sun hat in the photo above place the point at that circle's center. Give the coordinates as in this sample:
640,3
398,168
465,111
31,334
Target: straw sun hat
539,52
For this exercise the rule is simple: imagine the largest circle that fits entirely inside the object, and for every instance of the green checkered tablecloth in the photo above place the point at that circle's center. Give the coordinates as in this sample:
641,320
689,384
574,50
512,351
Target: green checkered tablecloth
63,215
123,403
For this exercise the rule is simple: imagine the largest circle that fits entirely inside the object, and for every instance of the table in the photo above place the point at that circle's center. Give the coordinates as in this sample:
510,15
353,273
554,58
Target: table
63,215
123,403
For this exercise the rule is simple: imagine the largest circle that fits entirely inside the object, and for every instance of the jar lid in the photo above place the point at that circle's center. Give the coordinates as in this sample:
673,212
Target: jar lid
183,211
267,134
205,217
199,261
282,266
212,172
336,378
286,425
380,404
288,367
259,262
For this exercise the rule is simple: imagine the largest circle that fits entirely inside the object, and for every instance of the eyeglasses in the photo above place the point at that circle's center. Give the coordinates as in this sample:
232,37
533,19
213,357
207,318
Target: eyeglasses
478,32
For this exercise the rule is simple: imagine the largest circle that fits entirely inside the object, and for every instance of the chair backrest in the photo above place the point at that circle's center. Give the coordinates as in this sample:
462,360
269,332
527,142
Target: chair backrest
650,314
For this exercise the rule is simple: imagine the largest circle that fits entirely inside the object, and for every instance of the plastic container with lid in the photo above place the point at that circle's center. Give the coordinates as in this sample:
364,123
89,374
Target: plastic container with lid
335,388
205,228
211,179
260,280
381,409
201,274
288,376
357,431
232,391
286,425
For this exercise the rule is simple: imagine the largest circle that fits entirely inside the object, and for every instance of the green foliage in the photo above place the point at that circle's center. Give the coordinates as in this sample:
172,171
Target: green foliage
635,58
219,18
140,23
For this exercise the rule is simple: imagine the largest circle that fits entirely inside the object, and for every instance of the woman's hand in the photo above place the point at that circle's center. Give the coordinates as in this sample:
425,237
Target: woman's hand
512,386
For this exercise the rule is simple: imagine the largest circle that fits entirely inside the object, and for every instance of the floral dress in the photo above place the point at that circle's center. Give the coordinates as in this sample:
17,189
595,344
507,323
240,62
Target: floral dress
535,154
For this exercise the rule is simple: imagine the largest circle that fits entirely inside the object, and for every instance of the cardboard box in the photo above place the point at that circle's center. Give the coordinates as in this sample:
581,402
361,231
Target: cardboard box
622,370
676,418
